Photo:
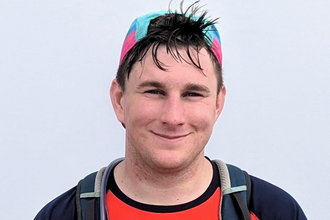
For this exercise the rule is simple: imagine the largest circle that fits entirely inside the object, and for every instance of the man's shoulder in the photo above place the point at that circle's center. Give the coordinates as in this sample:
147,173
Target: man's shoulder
63,207
271,202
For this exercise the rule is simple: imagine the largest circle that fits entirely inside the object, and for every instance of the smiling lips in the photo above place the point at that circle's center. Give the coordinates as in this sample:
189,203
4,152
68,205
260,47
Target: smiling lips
170,137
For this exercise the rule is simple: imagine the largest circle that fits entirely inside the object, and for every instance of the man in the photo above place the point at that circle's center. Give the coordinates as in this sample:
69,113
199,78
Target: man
168,94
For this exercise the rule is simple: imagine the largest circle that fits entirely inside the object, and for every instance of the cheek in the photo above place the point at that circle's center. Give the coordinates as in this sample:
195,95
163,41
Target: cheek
138,113
202,117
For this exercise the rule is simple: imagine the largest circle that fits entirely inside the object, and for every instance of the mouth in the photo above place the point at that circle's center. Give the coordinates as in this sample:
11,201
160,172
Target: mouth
170,137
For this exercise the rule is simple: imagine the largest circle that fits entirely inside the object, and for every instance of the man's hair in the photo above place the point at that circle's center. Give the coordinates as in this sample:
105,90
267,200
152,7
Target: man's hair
174,30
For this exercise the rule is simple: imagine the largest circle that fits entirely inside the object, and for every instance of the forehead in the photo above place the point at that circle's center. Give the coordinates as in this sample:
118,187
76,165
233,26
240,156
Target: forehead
177,62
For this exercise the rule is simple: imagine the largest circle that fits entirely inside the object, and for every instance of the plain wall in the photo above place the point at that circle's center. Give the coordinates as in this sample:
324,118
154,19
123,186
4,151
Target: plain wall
57,60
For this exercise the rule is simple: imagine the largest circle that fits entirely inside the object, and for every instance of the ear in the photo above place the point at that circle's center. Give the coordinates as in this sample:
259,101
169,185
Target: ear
220,101
117,99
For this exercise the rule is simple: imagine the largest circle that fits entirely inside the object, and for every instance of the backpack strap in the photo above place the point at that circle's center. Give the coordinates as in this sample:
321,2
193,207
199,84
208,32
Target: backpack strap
90,194
248,186
235,192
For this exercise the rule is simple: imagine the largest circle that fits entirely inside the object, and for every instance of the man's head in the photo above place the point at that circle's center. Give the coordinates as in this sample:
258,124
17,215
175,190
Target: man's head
174,30
168,93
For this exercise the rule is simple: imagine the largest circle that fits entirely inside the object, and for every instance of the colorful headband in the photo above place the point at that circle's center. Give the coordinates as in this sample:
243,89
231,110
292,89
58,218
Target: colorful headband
139,29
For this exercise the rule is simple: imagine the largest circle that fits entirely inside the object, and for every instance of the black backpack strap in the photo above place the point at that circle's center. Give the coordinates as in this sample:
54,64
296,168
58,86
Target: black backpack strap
88,196
248,186
78,205
244,211
234,195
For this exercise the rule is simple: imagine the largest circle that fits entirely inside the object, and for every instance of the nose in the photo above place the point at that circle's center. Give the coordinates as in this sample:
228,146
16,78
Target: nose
173,111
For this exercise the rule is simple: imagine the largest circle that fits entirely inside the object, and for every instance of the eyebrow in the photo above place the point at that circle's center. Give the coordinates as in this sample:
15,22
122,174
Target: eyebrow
149,83
197,87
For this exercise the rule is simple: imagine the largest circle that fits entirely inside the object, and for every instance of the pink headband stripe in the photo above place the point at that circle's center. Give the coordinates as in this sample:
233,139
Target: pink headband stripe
128,44
216,49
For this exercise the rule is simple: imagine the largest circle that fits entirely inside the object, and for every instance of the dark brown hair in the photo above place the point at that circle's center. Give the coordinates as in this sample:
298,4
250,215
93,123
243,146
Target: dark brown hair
174,31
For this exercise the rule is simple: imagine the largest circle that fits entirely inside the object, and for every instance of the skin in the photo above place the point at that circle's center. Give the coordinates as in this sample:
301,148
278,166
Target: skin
169,117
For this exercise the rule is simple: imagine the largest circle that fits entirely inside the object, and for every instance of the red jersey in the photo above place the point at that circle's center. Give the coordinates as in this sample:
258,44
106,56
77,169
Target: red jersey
120,207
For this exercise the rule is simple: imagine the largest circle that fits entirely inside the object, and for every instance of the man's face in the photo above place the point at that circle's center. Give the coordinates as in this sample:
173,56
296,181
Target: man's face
168,115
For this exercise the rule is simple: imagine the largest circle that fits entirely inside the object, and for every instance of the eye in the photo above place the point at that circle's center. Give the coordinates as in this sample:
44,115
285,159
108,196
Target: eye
192,94
155,92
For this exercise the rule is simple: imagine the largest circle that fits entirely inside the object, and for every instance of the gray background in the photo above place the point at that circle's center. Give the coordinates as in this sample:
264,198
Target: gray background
57,59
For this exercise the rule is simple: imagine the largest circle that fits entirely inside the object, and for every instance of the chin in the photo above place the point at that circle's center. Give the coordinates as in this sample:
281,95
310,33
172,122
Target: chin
170,162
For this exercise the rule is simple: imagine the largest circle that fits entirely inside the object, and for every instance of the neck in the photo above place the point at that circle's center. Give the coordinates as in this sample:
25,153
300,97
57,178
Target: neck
163,187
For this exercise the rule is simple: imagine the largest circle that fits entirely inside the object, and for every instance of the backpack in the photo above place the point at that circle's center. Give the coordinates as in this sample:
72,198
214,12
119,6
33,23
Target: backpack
234,202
